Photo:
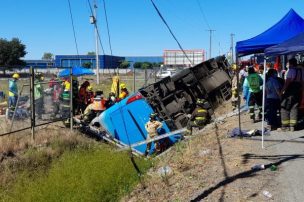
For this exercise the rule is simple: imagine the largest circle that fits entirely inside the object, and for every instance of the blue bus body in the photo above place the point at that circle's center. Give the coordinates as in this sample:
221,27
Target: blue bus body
125,121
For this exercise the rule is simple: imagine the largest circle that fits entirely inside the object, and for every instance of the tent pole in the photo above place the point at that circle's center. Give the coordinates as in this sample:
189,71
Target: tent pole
238,90
263,105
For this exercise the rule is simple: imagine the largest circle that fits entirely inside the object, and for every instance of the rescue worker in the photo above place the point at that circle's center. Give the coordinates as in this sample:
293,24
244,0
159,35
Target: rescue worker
90,96
234,90
151,127
54,84
83,97
291,95
200,116
96,108
111,100
38,95
65,100
123,91
13,91
253,83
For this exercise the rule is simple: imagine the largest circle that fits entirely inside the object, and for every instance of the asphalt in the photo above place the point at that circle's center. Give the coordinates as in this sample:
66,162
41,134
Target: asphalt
286,150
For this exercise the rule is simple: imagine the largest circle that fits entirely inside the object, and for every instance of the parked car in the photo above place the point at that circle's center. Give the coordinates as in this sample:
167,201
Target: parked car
165,73
172,98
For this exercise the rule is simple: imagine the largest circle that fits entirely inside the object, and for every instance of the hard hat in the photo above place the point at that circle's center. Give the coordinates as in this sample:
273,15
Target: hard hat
122,85
90,88
16,76
234,67
199,101
153,115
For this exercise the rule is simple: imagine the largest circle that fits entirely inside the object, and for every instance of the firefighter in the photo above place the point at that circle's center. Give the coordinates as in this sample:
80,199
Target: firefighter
291,95
200,116
13,91
152,126
254,82
234,90
123,91
96,108
90,97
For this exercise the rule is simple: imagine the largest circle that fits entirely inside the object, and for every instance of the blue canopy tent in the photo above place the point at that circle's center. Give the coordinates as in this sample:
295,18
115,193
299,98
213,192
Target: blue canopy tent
76,71
289,26
293,45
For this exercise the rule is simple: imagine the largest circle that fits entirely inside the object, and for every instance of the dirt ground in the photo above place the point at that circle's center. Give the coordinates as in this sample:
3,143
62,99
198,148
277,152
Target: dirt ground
211,167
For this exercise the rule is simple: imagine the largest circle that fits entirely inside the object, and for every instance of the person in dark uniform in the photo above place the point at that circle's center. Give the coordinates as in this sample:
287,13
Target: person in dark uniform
200,116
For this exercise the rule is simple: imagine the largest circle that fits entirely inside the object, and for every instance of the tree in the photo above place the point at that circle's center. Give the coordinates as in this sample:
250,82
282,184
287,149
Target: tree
146,65
124,65
87,65
10,54
137,65
91,53
47,56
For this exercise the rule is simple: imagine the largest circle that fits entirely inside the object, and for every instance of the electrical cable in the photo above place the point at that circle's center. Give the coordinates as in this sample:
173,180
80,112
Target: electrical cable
164,21
203,13
108,29
98,35
75,40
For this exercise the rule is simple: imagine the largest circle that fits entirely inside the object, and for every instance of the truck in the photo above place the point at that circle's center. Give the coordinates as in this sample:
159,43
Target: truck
172,98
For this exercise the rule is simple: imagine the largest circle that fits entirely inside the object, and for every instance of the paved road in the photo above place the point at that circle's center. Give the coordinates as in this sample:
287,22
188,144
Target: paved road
287,149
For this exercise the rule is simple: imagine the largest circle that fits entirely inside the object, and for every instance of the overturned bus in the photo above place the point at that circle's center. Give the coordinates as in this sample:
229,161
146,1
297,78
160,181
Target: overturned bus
172,98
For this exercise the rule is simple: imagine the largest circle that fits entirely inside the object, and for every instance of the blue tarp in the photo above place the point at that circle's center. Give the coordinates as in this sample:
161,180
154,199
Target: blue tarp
76,71
293,45
289,26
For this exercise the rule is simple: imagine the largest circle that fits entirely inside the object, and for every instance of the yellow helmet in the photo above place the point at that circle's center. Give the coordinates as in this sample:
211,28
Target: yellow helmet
16,76
90,88
234,67
122,85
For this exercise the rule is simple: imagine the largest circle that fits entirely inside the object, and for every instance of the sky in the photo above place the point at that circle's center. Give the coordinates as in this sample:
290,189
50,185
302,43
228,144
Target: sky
135,27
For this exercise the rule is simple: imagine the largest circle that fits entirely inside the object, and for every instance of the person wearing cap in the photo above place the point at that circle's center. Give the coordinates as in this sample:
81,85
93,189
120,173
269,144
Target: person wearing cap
151,127
94,109
200,116
123,91
13,91
253,83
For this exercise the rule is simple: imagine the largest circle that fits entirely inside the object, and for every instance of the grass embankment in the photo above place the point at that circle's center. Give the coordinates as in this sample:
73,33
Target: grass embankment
69,170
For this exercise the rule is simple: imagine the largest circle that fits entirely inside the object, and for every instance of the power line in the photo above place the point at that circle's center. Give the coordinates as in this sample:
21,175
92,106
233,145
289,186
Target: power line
164,21
75,40
108,29
203,13
95,24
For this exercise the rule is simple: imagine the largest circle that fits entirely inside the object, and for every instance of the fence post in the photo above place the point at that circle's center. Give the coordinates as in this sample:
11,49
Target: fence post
32,97
146,76
134,80
71,98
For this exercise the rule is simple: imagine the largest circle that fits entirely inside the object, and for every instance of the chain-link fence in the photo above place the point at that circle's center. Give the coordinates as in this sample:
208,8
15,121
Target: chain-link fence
41,99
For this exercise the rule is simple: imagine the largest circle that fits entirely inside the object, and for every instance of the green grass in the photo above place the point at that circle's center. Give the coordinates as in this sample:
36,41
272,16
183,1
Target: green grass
94,174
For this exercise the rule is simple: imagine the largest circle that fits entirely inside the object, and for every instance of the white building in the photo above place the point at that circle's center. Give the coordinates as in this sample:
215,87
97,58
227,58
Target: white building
177,58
